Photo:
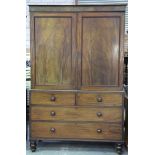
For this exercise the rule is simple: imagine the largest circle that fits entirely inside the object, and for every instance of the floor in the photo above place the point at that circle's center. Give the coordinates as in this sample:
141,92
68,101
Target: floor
74,148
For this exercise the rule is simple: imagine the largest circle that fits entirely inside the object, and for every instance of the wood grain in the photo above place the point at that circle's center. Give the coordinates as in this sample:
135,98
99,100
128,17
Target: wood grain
100,50
108,99
76,130
76,114
44,98
53,50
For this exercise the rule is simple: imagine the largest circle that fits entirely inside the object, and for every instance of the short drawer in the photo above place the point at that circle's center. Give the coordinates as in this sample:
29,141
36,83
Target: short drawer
107,99
76,114
76,131
47,98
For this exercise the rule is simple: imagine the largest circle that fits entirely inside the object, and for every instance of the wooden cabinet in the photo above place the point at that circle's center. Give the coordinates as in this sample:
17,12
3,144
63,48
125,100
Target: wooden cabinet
77,73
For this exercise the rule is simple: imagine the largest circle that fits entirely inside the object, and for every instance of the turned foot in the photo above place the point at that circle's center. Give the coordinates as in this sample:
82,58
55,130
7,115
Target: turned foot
33,146
119,148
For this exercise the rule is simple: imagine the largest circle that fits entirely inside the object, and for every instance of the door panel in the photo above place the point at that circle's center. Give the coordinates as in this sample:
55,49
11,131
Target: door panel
100,50
54,50
77,53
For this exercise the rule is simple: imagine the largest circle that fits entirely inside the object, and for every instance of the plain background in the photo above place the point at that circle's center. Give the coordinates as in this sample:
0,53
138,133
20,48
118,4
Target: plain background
141,77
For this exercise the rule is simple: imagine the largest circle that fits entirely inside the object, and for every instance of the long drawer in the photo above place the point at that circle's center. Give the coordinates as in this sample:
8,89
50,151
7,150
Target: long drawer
106,99
76,131
107,114
52,98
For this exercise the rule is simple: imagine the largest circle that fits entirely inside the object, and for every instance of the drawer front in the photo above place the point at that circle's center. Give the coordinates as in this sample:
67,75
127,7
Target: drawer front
76,114
46,98
107,99
76,131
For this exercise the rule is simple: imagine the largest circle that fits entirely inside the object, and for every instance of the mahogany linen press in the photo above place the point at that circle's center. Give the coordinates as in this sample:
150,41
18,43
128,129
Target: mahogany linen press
77,74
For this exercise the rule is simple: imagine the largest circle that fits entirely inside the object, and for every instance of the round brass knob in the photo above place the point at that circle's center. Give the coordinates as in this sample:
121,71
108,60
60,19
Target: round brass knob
99,114
99,130
99,99
53,113
52,130
53,98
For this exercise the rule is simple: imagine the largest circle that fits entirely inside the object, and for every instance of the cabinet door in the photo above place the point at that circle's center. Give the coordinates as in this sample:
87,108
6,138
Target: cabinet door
53,50
100,42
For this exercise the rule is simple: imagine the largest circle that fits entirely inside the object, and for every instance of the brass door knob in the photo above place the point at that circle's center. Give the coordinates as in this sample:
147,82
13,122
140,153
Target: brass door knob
53,98
52,130
99,130
99,99
99,114
53,113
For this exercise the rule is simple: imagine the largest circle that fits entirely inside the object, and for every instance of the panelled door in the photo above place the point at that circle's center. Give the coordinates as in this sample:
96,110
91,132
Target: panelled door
100,40
77,50
53,50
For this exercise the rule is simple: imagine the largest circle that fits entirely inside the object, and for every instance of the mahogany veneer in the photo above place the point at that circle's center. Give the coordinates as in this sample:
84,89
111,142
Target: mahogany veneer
77,73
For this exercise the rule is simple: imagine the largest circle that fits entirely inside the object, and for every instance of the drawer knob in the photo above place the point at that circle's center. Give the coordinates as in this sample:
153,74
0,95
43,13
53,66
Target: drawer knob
53,113
99,130
99,114
53,98
52,130
99,99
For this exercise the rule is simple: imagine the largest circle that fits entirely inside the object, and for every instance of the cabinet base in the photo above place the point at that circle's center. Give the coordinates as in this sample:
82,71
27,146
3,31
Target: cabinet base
118,146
